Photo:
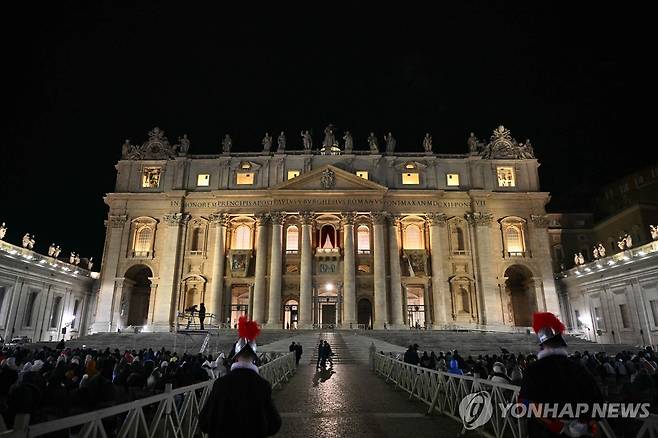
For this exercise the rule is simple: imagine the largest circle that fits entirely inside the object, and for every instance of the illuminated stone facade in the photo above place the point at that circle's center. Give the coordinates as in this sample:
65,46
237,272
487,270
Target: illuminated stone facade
334,236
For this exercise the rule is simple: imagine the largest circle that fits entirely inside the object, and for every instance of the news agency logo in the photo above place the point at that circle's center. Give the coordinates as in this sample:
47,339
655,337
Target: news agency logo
475,409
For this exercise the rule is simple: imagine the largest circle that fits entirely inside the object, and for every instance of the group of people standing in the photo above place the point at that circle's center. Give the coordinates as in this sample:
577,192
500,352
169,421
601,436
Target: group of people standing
324,354
297,348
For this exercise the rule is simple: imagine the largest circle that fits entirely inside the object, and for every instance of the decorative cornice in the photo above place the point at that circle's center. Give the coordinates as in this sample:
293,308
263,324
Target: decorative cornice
540,221
306,217
277,217
157,147
479,218
379,217
176,219
220,219
347,218
117,221
437,219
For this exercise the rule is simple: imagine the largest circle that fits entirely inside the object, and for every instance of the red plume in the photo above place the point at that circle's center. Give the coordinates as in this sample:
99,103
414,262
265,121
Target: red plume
541,320
248,329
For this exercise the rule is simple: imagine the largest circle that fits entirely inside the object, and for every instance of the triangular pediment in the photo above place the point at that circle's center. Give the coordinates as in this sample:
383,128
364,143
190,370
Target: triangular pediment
329,178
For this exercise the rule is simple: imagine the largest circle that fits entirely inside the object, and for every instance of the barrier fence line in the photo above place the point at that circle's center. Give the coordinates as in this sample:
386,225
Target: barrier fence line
443,392
172,414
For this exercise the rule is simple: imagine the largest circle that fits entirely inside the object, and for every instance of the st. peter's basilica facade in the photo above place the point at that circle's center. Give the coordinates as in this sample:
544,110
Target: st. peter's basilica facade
327,236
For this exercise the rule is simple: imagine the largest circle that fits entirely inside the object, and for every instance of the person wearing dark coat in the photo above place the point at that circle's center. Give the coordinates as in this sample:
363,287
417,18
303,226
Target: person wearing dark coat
411,355
554,378
298,353
202,315
240,403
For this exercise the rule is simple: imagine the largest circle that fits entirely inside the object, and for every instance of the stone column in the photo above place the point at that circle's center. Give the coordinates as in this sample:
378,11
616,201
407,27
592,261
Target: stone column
440,290
306,273
220,223
379,249
165,300
480,224
541,252
274,317
106,295
397,318
261,269
426,302
349,271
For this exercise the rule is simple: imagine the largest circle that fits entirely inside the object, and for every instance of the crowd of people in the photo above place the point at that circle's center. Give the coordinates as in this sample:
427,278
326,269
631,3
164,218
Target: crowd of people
52,383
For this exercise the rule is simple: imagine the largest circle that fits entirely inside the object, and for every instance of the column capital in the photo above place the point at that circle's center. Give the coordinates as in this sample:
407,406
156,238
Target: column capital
261,219
394,219
117,221
277,217
539,220
220,219
306,217
437,219
479,218
347,218
176,219
379,217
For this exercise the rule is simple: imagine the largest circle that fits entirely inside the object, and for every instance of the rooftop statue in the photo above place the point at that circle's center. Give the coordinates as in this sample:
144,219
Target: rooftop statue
390,143
307,140
227,143
184,144
473,144
3,231
601,249
281,142
427,143
57,251
51,250
349,142
653,229
329,138
373,143
267,142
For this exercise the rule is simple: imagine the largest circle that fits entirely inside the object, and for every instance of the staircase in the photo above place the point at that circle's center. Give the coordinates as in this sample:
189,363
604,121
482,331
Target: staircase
338,347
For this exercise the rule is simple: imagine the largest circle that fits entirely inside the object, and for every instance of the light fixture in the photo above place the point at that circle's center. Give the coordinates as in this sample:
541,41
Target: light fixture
329,287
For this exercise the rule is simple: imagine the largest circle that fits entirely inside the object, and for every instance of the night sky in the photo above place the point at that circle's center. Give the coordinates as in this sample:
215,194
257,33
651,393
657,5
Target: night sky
82,77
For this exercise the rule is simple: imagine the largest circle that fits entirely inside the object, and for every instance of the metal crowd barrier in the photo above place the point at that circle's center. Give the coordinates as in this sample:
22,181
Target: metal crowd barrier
172,414
443,392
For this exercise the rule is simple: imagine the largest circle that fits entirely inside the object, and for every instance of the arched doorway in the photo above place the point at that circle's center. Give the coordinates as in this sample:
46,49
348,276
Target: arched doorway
520,295
364,313
290,314
136,295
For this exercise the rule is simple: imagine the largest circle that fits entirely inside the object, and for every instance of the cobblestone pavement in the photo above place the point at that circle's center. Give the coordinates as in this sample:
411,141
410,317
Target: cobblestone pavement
349,400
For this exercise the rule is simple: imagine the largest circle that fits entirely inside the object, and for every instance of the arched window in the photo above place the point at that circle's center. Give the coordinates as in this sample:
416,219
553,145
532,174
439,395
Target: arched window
54,316
514,240
292,239
143,238
363,239
242,237
413,237
327,237
198,236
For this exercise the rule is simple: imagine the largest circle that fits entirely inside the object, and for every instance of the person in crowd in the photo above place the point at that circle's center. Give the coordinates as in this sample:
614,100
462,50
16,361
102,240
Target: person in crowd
298,353
328,353
454,367
556,378
202,315
240,403
411,355
500,374
321,357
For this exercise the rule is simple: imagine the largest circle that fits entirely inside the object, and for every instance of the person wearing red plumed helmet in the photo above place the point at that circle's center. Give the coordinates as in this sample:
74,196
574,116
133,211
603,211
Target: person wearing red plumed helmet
240,403
557,380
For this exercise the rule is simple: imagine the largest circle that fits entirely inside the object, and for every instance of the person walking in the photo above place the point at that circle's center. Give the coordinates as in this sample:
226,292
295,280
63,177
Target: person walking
240,403
202,315
298,353
321,359
328,353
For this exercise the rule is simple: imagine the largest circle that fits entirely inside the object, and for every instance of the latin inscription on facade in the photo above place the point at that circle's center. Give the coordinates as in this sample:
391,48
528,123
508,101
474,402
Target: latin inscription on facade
282,203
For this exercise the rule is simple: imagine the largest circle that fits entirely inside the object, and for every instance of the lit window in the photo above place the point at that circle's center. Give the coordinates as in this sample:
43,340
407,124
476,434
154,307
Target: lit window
293,174
242,237
245,178
151,177
292,239
413,237
514,239
506,177
452,179
411,178
143,237
245,165
362,174
579,323
203,180
363,239
410,166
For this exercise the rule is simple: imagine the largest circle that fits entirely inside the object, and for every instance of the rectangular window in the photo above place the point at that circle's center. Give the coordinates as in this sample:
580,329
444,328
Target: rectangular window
598,316
654,311
245,178
579,323
293,174
505,177
151,177
362,174
75,312
625,317
3,292
411,178
203,180
29,311
54,316
452,179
